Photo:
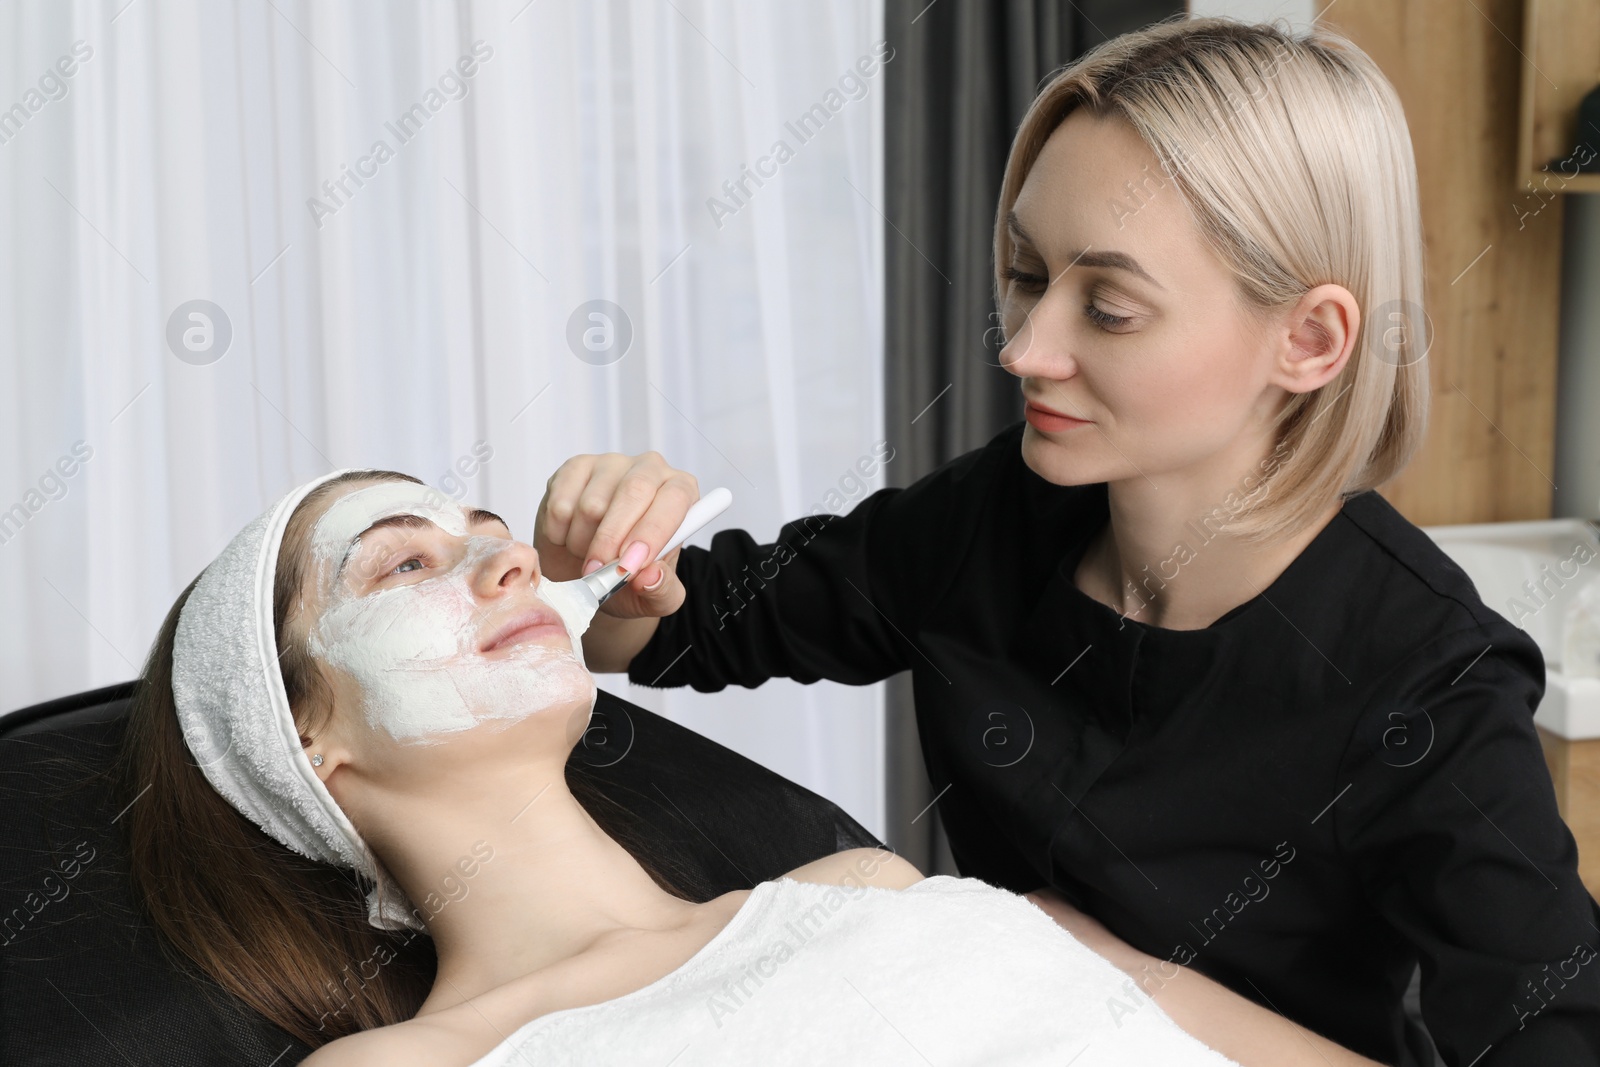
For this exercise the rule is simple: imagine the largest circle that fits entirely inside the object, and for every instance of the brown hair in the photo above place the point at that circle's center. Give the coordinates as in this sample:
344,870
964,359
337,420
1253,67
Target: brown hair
287,935
1292,153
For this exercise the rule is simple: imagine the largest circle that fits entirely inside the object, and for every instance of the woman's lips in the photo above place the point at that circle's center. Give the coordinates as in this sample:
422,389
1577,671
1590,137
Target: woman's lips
523,626
1048,421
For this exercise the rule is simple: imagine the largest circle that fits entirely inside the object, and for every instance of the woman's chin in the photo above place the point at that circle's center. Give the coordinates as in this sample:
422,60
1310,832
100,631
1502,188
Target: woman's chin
1057,461
551,729
560,689
526,737
458,705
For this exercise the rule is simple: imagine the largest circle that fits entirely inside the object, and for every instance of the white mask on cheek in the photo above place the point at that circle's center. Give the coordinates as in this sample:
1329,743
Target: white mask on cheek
413,648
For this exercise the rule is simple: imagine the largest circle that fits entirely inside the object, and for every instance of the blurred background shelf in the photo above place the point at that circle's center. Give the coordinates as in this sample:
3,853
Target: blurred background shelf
1560,65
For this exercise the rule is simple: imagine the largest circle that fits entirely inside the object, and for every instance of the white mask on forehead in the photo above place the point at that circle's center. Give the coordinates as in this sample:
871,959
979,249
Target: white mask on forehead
412,647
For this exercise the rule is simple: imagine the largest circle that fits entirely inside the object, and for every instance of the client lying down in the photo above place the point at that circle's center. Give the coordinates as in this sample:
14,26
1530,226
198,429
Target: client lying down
384,683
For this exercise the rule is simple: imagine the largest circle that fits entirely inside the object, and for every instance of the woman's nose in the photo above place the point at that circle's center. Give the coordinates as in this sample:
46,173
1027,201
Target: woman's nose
1041,345
513,565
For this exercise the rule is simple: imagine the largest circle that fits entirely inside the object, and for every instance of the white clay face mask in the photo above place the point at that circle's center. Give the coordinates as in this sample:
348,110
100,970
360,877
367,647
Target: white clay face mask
412,646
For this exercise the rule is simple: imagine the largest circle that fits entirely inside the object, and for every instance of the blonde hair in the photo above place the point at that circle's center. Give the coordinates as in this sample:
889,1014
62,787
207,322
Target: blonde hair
1293,155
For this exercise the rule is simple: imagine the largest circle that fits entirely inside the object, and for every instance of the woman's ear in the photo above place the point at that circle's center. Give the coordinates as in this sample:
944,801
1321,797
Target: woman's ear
1322,332
326,753
313,752
321,738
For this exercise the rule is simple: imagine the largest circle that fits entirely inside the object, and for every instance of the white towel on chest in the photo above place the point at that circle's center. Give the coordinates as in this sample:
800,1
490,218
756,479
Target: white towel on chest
951,970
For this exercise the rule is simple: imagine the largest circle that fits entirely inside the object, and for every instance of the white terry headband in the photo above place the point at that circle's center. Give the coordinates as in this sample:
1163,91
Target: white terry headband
235,713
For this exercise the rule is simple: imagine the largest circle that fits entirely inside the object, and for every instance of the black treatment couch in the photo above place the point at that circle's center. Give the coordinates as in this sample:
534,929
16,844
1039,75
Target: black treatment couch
84,981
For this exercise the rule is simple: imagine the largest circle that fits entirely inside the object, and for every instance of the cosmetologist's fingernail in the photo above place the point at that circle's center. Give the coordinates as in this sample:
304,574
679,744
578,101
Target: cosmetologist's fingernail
635,556
592,566
654,583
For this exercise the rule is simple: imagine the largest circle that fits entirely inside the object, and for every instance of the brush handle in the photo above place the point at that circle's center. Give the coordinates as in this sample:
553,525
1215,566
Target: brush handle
701,512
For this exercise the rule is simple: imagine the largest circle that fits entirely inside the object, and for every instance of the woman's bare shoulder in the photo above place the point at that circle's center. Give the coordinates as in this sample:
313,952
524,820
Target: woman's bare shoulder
869,866
417,1042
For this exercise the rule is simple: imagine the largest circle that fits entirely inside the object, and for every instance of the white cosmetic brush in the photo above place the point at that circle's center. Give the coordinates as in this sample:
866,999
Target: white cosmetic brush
597,587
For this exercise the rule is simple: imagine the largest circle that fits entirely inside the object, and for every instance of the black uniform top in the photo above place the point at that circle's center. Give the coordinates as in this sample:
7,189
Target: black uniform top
1338,777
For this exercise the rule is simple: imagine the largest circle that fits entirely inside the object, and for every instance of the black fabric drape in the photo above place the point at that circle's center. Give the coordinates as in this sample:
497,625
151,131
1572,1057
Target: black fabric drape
962,75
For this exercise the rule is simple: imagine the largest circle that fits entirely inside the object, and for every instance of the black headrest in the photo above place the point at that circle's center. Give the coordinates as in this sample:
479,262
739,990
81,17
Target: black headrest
84,980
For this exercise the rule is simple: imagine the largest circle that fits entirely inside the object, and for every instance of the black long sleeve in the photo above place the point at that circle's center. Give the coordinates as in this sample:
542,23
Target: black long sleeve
831,597
1451,825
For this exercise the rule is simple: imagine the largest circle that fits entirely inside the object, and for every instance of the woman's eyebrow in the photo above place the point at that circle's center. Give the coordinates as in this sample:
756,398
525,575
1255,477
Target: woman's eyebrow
1108,259
477,515
411,521
1014,224
403,520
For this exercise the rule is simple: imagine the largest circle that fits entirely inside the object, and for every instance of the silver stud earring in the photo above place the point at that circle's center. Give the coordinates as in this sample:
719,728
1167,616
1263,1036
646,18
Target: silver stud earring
316,761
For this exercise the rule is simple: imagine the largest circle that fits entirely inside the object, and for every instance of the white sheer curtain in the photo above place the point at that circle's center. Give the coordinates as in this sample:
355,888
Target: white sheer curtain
415,307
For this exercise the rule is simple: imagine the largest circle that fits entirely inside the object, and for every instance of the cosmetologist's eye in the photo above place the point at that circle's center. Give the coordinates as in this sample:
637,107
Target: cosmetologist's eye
1023,280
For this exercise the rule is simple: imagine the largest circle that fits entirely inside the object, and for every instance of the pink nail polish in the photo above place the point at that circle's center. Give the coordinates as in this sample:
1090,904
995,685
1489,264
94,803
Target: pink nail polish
592,566
635,556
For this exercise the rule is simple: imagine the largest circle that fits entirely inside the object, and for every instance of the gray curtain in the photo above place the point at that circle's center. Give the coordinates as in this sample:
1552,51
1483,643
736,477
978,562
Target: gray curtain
962,75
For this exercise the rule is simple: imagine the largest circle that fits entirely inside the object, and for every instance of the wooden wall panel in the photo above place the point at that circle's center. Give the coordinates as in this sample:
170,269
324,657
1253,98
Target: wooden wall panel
1493,257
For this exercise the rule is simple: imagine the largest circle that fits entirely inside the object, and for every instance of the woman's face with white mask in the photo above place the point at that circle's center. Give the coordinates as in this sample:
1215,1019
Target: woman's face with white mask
429,621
